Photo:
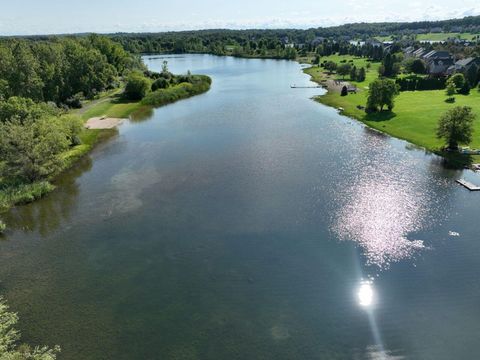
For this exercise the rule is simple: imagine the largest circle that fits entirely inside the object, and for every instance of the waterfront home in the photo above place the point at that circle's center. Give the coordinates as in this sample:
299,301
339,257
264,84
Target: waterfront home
464,65
419,52
408,51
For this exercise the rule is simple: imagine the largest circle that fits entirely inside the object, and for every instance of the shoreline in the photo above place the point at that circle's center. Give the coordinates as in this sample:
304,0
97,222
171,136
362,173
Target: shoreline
330,99
109,109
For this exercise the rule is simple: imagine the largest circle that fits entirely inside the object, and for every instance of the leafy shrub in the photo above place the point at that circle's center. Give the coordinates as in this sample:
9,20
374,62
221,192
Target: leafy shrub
465,89
23,194
31,150
137,86
450,100
3,227
75,102
160,83
417,83
183,90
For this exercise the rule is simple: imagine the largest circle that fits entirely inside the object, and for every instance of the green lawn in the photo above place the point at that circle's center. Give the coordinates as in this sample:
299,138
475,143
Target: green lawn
318,73
112,108
444,36
414,117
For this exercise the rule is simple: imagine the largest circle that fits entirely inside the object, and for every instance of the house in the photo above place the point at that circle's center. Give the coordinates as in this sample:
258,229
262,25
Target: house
439,66
463,65
408,52
419,52
437,62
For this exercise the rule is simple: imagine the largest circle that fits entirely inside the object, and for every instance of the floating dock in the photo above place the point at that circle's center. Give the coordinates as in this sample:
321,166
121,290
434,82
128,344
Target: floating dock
305,87
468,185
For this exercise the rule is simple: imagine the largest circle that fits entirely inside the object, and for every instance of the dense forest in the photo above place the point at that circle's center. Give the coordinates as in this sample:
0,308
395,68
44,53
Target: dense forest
40,80
281,43
58,69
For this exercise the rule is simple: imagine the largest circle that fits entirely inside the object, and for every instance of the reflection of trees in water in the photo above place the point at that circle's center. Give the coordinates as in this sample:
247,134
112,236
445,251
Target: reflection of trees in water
46,214
142,114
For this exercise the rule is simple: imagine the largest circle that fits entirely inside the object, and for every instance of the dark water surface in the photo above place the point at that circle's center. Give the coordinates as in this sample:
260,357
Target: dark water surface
249,223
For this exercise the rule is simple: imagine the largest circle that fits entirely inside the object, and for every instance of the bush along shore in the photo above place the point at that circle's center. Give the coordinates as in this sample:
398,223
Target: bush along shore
38,141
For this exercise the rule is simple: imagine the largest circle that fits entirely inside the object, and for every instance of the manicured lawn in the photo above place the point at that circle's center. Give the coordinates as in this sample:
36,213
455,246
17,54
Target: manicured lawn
414,117
444,36
318,73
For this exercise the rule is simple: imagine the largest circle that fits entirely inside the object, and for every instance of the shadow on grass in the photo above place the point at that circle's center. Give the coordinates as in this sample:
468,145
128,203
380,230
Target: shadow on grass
380,116
121,99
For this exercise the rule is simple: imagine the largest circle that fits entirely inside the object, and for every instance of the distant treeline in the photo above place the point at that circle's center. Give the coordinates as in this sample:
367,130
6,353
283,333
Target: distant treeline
246,43
58,69
277,43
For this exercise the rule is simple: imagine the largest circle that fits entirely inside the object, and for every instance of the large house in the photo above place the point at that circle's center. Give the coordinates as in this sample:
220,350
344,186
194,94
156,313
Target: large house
437,62
464,65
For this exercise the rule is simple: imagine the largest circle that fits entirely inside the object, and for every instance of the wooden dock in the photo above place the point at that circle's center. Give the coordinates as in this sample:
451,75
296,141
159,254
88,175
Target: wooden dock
305,87
468,185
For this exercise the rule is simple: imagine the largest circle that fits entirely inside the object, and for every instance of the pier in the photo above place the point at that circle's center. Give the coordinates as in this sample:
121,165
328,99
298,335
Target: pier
305,87
468,185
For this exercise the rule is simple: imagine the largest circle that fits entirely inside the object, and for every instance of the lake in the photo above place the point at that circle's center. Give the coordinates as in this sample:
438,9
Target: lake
249,222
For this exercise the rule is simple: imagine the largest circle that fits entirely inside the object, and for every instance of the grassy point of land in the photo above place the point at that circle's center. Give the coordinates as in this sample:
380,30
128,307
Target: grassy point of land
415,116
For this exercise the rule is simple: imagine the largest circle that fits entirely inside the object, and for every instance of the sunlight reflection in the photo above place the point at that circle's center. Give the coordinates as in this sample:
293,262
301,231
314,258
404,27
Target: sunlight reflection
379,215
365,294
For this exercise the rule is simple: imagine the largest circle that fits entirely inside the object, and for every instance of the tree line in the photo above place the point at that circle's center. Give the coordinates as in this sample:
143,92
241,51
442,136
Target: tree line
61,69
40,79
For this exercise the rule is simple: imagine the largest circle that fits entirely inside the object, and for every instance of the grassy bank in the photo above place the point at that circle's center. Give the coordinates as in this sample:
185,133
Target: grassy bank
112,105
414,118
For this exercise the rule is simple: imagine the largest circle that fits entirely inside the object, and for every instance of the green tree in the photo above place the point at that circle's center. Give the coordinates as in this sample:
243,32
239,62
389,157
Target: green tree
387,68
353,73
344,69
451,90
456,126
472,75
330,66
9,337
137,86
416,66
160,83
458,80
165,66
361,75
465,89
25,109
31,150
382,93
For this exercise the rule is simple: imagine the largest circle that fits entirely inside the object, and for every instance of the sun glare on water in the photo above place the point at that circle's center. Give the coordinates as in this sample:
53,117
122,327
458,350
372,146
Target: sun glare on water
365,294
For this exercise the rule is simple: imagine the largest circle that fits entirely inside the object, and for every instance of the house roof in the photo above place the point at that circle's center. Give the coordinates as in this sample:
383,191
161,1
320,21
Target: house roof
419,52
464,62
434,54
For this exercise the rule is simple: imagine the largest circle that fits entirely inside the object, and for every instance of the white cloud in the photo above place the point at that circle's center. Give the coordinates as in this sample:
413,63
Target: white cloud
307,17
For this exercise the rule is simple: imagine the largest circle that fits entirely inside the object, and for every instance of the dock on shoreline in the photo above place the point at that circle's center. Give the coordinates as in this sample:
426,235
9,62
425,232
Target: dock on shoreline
468,185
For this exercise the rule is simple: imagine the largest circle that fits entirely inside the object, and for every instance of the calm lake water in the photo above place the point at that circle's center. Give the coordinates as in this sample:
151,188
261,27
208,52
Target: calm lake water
249,223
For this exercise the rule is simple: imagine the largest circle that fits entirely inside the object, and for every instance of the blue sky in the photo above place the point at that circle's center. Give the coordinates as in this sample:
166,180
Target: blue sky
66,16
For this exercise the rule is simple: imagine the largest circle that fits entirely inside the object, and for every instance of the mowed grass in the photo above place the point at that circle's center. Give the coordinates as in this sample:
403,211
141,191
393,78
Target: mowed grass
112,108
415,116
318,73
445,36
